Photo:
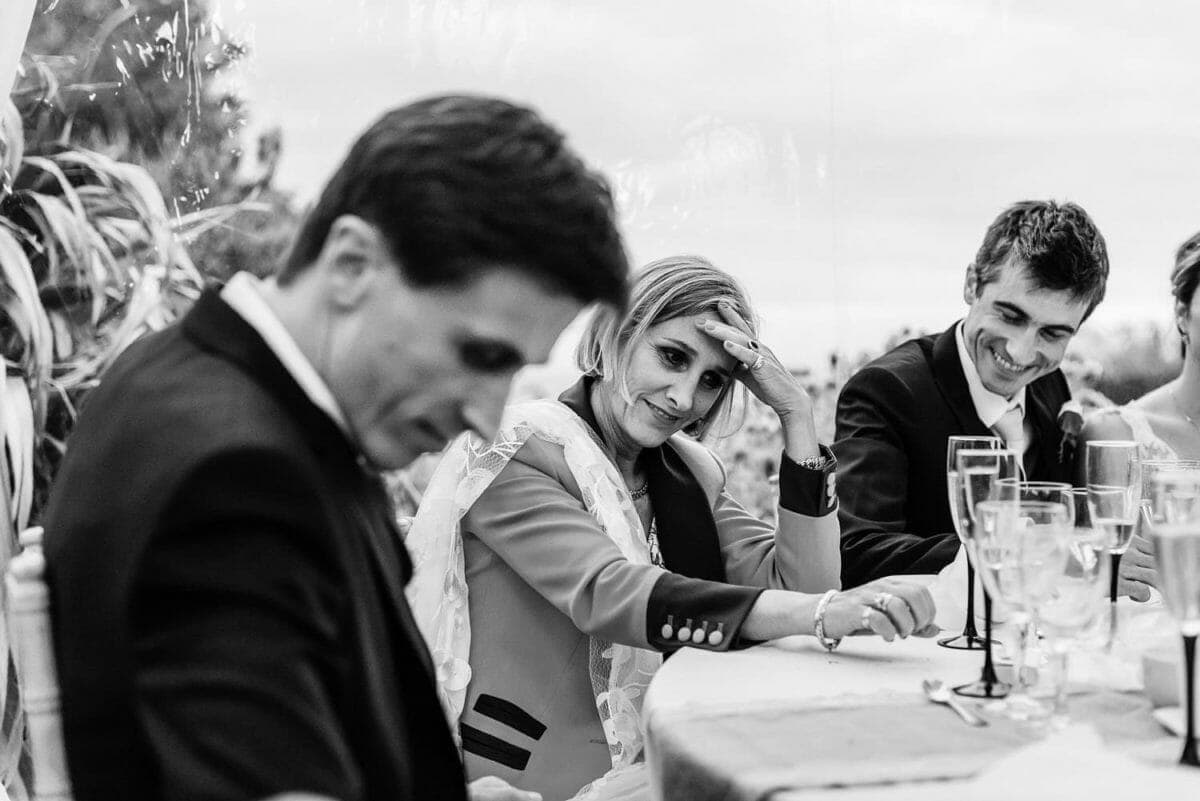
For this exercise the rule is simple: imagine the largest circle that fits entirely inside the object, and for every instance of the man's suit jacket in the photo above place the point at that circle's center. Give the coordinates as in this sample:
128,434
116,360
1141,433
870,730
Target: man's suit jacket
544,579
227,589
893,418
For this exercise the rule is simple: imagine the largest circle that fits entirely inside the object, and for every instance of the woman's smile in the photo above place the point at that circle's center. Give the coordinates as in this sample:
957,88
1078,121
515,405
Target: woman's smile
662,415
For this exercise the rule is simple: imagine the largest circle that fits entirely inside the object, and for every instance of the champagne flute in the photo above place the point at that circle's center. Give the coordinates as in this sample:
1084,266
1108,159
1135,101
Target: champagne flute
1152,467
978,470
969,640
1114,485
1020,549
1177,551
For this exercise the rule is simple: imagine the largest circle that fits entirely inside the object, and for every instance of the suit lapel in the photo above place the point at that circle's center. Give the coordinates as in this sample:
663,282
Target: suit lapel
952,382
687,533
1042,457
215,327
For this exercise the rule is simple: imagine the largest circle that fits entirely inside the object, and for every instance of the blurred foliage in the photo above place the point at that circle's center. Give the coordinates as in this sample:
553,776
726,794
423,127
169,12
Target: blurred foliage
154,83
1127,361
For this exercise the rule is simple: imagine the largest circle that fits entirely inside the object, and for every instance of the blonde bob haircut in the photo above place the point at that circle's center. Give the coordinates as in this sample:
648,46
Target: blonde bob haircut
677,286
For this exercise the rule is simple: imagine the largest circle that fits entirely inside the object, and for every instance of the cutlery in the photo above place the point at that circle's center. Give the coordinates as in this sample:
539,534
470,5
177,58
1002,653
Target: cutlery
940,694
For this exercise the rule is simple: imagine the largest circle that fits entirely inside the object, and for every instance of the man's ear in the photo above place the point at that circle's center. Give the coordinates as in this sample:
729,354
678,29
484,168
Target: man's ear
970,284
350,259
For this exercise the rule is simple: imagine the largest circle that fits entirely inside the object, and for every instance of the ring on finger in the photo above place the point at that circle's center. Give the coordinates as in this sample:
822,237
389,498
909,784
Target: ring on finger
882,600
752,344
866,618
758,362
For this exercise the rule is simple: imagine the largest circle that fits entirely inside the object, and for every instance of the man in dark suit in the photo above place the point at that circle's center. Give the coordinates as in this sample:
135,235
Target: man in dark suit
227,582
1040,272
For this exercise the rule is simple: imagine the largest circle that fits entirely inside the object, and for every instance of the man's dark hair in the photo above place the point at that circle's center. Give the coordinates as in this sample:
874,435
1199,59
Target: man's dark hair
1058,244
457,184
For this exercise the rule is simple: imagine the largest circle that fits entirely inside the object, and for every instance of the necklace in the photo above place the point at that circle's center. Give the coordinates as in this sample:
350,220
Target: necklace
1186,416
640,492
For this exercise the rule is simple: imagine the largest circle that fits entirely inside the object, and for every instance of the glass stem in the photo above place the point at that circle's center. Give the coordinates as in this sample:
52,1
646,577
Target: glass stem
1189,664
1061,656
989,669
1113,580
1019,653
969,629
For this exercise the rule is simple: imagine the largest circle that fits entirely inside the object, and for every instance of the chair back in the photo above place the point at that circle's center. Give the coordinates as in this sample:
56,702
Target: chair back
29,624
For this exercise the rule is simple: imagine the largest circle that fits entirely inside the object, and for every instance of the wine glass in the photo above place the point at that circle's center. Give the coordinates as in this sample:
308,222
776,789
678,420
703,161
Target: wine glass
969,640
1176,538
1152,467
1015,489
1076,602
1020,548
1114,484
978,470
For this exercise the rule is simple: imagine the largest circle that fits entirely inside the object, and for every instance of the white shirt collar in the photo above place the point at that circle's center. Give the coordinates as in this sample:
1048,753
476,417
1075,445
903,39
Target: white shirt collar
244,296
988,405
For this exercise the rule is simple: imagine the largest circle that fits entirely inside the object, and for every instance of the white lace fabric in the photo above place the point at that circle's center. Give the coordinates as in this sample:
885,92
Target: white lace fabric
438,592
1150,445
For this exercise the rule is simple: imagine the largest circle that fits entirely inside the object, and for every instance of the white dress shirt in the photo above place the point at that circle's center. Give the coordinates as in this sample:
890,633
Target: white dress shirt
988,405
243,295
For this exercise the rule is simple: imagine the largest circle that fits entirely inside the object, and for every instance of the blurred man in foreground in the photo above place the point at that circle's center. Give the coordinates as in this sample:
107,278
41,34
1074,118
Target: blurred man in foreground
227,582
1040,272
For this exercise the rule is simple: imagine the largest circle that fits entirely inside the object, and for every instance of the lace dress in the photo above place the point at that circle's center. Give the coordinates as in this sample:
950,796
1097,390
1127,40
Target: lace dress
1150,445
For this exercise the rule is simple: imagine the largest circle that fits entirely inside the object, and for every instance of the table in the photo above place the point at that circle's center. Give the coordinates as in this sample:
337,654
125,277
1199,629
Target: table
786,719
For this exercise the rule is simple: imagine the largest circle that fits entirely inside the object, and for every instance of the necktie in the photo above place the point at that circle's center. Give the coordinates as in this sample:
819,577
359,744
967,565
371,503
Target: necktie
1011,427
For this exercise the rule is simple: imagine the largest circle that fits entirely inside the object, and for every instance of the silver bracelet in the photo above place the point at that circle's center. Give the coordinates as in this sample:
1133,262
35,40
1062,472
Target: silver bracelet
819,622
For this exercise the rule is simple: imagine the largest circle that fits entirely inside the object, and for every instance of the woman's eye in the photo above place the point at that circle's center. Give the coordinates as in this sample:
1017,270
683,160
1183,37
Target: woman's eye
671,357
713,381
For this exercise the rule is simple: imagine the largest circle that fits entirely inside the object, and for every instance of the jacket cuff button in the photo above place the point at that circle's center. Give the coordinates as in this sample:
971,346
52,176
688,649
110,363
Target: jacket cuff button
685,631
716,637
668,629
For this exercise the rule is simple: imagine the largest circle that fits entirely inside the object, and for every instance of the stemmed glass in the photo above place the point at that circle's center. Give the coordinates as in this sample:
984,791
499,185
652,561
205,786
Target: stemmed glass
1015,489
969,640
1177,550
1114,484
1020,549
1076,600
978,470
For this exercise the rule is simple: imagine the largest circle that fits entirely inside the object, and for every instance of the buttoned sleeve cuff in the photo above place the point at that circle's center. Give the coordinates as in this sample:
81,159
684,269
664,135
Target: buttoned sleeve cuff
806,491
702,614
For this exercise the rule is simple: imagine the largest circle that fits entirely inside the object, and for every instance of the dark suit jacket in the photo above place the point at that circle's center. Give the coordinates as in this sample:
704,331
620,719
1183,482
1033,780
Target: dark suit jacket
893,418
227,589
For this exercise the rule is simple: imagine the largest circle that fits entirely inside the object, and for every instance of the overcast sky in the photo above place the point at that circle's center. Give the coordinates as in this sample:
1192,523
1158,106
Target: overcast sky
842,158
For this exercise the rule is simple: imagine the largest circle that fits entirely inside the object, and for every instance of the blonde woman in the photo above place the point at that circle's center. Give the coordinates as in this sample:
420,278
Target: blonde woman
597,536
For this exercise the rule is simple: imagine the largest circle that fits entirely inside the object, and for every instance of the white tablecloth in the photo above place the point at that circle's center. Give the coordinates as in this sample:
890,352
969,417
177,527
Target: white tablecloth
796,673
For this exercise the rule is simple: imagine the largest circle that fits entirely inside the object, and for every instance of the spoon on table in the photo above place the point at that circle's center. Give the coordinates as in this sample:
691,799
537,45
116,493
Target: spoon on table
938,693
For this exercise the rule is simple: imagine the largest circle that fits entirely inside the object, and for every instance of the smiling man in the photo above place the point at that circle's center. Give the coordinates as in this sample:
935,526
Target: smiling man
226,576
1040,272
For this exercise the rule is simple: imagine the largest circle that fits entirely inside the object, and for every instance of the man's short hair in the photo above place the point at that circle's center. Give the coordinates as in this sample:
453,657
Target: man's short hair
1057,243
456,184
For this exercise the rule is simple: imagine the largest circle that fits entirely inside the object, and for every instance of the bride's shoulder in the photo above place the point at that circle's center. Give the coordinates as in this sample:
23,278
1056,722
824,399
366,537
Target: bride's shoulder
1107,423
